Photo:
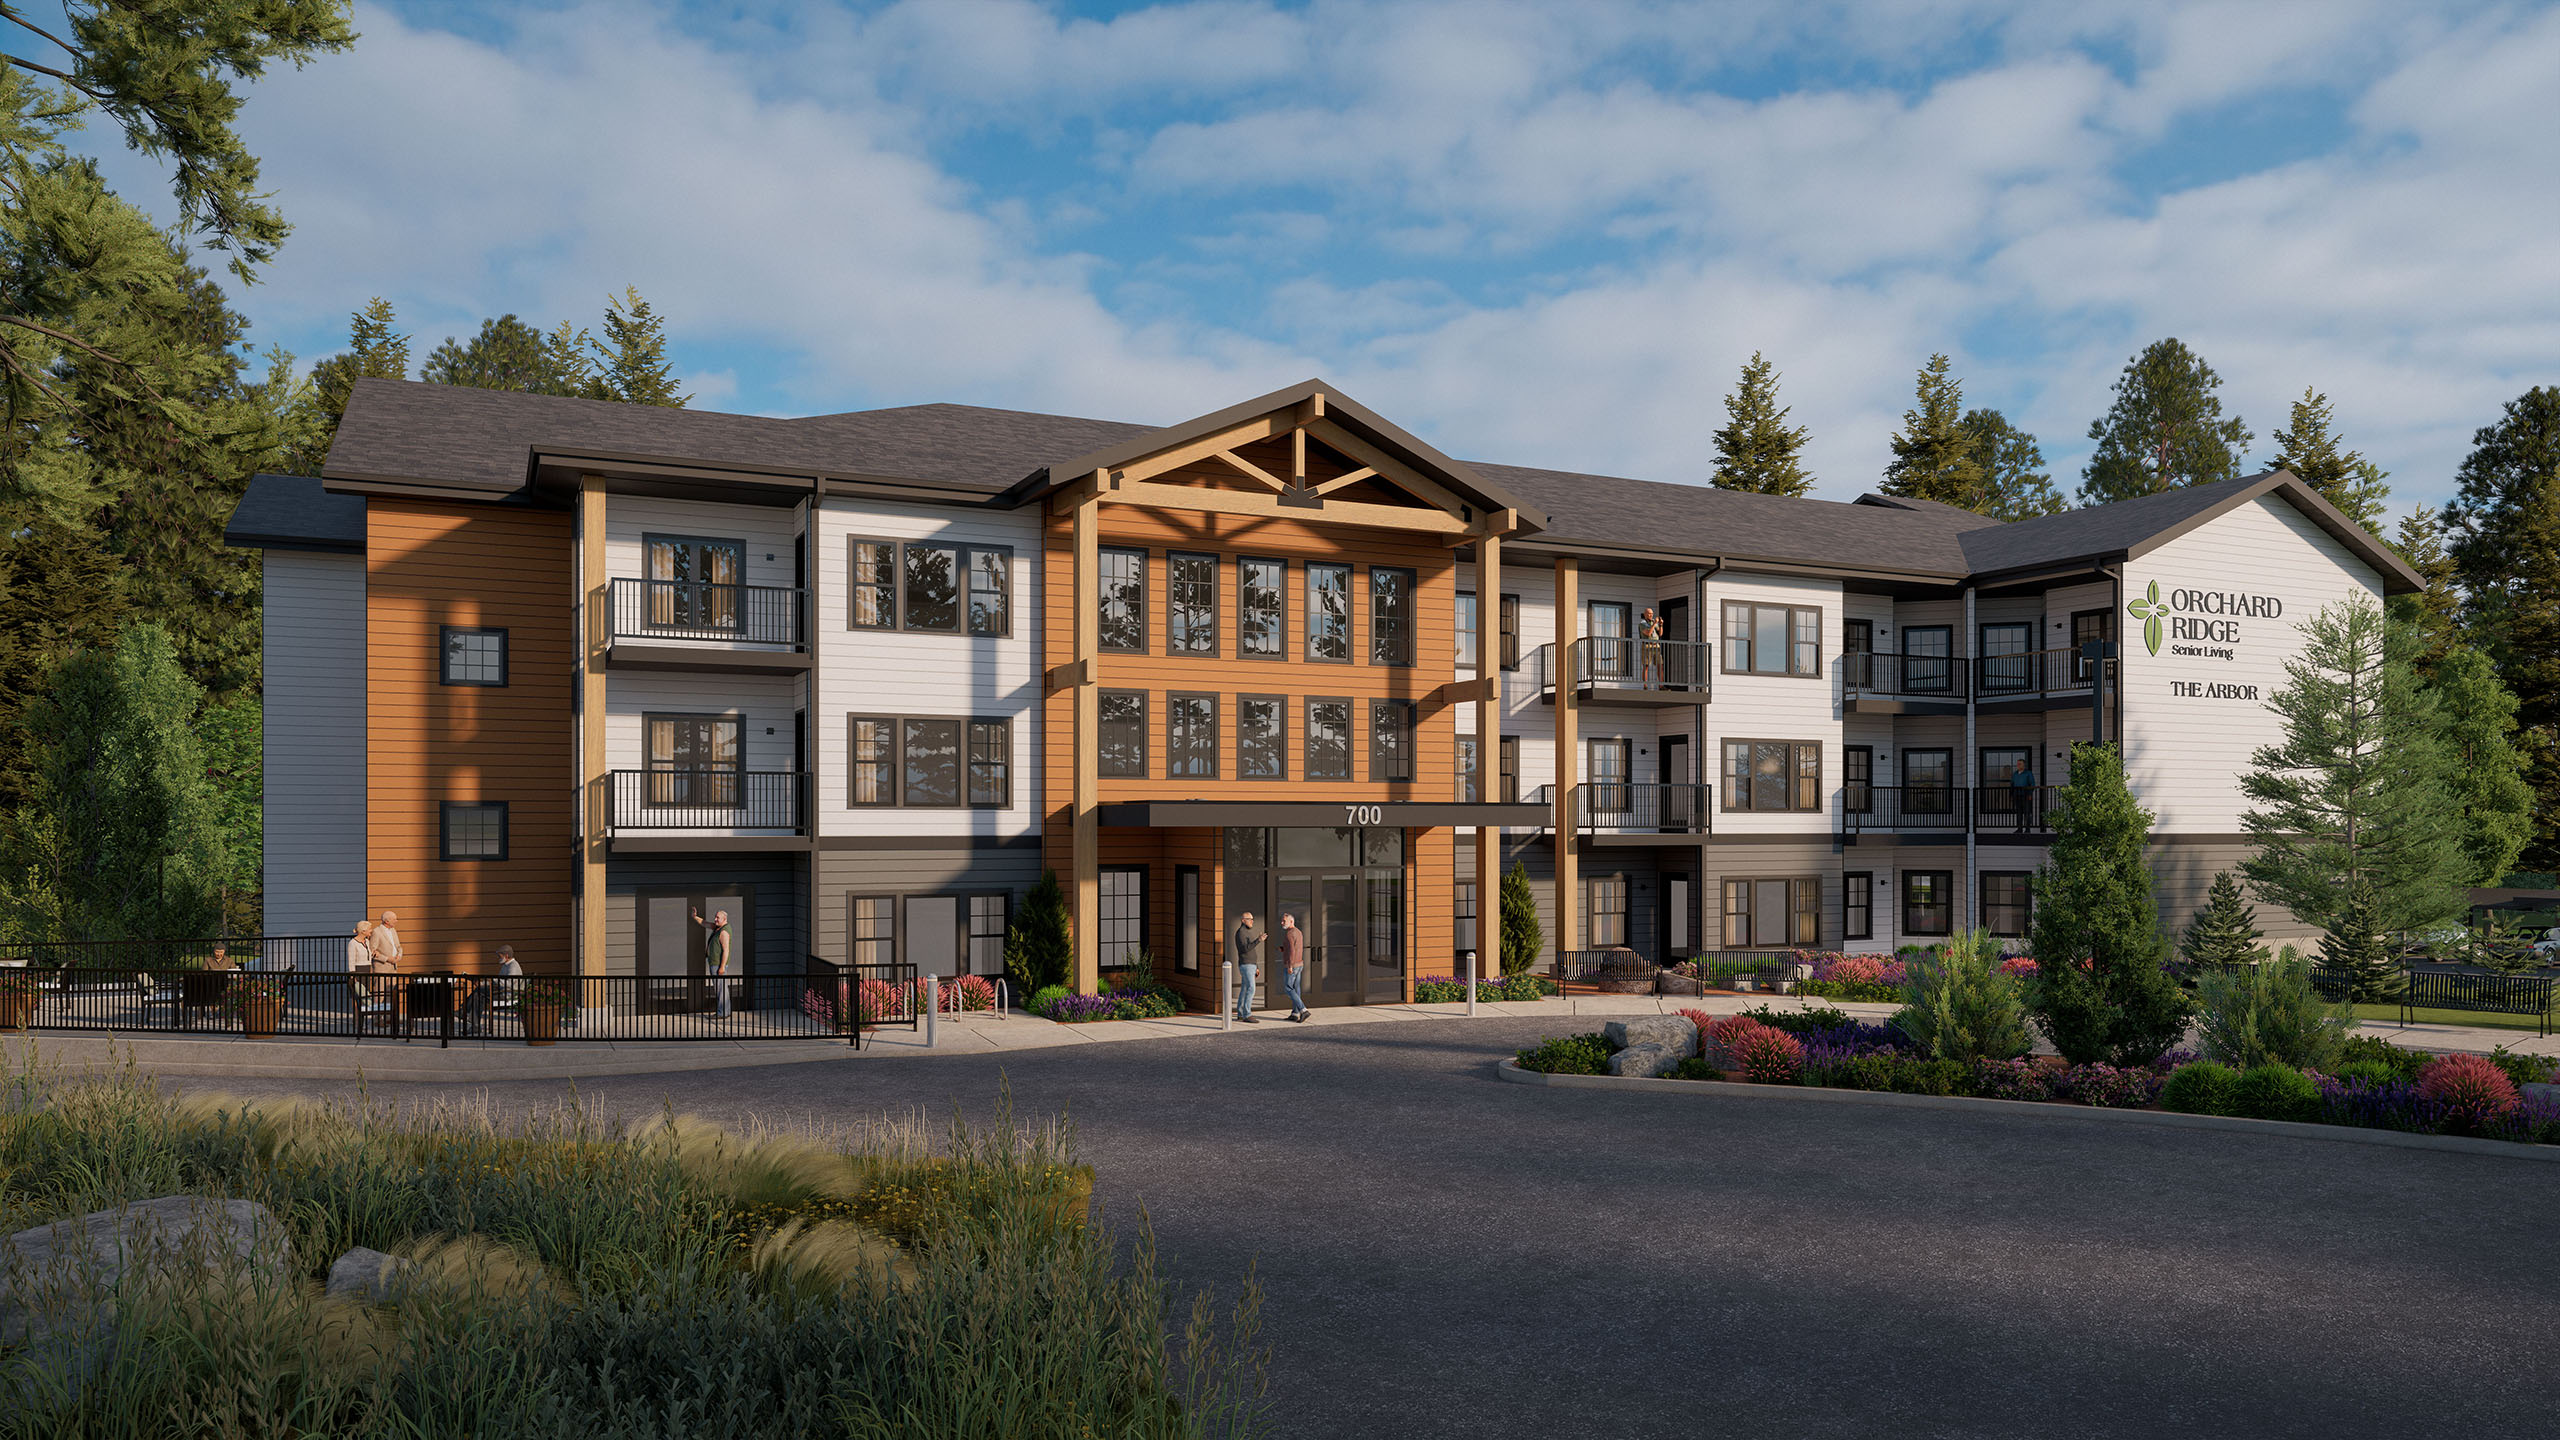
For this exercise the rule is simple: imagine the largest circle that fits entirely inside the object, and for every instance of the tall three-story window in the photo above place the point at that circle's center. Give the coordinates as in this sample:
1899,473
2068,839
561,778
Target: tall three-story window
1123,587
1191,604
1262,607
1390,616
1329,612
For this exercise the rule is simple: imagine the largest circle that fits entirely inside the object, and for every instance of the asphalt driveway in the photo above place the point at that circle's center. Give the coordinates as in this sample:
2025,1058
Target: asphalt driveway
1446,1255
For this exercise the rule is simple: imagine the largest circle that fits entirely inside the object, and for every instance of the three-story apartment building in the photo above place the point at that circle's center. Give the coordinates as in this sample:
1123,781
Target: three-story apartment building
560,673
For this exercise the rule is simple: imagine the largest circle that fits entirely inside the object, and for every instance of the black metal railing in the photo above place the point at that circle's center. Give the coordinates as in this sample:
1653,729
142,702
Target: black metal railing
697,610
1929,677
254,953
2030,674
2021,809
1619,662
858,999
1897,809
1611,807
709,799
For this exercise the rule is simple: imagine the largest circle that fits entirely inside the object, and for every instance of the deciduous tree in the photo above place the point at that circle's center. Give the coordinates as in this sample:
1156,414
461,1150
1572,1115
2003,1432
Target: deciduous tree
1756,450
2165,430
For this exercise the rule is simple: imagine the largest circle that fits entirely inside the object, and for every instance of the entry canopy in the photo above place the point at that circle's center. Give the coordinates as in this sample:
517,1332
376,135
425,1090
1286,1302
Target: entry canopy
1224,814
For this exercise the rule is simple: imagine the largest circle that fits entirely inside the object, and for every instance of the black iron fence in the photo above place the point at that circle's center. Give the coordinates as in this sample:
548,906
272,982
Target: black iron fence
1875,672
1622,662
1611,807
857,999
709,799
245,952
2031,674
2019,809
695,610
1901,809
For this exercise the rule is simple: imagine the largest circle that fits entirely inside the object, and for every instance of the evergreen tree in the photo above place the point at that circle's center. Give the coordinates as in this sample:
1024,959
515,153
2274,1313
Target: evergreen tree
2100,992
2164,431
634,352
2224,934
2343,477
1755,450
2505,528
2431,613
121,837
2014,483
2352,945
1522,936
232,737
2476,720
1933,454
375,351
507,354
1039,949
60,594
2360,787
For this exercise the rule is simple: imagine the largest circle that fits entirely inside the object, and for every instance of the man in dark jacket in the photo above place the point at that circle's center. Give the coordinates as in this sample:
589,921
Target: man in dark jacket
1245,948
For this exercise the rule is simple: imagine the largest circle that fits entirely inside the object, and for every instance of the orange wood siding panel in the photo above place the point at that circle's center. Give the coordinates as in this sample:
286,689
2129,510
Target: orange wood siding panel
430,564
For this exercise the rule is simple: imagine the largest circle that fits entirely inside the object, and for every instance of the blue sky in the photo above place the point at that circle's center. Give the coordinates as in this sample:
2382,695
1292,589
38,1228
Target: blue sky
1544,234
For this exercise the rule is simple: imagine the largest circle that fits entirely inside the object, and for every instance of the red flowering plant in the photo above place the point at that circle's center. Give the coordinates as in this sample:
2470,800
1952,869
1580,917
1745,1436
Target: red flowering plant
1771,1057
2472,1089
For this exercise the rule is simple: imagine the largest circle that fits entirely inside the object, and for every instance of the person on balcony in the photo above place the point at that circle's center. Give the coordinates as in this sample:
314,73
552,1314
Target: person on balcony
1649,648
2022,795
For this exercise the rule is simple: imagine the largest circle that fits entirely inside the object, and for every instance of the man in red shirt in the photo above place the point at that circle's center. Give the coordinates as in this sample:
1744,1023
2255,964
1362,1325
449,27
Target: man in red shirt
1293,965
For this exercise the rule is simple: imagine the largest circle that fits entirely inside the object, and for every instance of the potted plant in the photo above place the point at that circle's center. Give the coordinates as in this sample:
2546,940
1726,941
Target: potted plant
260,1001
19,991
540,1009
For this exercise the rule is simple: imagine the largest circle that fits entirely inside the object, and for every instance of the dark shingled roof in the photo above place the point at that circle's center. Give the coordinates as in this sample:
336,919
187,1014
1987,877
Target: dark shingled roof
292,512
1694,519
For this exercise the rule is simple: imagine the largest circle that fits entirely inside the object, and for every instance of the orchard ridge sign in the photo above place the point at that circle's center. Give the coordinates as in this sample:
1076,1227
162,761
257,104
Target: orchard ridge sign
2203,624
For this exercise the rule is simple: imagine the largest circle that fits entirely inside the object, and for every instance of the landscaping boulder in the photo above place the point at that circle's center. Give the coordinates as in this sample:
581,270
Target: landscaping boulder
1649,1061
1668,1032
366,1275
59,1282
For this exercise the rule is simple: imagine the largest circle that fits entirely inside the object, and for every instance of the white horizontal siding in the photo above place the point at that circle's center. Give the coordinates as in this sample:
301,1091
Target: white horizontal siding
312,626
1776,707
764,534
760,703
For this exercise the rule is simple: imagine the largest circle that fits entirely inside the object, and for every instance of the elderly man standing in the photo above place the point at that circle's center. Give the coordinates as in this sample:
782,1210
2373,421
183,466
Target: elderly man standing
1245,948
715,957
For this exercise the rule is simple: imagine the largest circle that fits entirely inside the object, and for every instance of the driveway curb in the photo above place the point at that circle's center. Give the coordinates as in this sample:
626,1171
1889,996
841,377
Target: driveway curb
1823,1094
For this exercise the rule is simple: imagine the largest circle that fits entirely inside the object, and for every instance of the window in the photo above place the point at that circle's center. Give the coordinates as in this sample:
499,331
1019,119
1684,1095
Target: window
874,929
1510,760
1329,612
1262,607
474,830
1927,901
875,748
1858,651
2005,785
693,759
474,655
2006,665
1470,784
1804,911
932,591
1858,779
2088,625
1928,663
987,922
1737,914
1123,588
1191,604
1463,896
1772,775
1390,741
1510,632
2007,902
1328,740
991,763
1782,910
990,592
1928,782
1604,911
1772,639
1390,616
875,585
1123,748
1858,905
693,582
1467,627
1120,926
932,771
1191,736
1611,656
1262,737
1186,919
1605,766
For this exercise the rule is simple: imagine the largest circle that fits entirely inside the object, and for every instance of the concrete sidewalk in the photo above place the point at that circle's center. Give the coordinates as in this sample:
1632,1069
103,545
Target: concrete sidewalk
975,1033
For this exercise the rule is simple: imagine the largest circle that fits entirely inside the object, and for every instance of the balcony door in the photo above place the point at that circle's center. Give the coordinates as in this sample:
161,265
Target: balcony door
1679,802
694,760
695,583
1928,658
1605,768
2006,664
1611,654
1928,782
668,959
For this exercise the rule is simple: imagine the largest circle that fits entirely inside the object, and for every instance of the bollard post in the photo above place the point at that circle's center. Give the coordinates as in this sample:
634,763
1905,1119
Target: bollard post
932,1006
1471,984
1226,994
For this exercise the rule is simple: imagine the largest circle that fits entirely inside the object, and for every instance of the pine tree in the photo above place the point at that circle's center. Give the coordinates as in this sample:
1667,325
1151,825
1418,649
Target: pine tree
2100,991
2224,933
2352,946
232,737
507,354
2164,431
1933,455
2343,477
2431,612
2476,723
1522,936
60,594
1039,948
634,352
1755,450
2505,524
2360,787
2014,483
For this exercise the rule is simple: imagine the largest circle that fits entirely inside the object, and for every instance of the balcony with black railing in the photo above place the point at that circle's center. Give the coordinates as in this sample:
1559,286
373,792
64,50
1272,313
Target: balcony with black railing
691,624
1623,670
1892,683
2025,811
1902,810
2031,680
1611,810
681,806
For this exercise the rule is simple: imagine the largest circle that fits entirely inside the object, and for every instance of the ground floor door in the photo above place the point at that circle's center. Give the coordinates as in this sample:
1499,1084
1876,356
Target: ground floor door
669,956
1354,924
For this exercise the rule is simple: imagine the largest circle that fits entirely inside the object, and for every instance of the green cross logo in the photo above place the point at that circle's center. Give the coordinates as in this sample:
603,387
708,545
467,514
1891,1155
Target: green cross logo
2148,610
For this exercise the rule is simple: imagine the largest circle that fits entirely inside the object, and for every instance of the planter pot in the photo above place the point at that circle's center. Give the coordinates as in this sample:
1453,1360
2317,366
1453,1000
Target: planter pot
259,1015
1741,984
1682,985
541,1022
1624,972
16,1009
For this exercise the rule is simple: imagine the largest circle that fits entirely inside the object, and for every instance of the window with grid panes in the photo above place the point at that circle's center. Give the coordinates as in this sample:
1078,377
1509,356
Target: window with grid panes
1328,612
874,929
1390,741
1191,604
987,921
1463,898
1328,740
1858,905
2007,902
1123,748
1191,736
475,830
1470,778
1262,737
1510,615
1120,924
1262,607
991,763
1390,616
875,749
475,655
1510,747
990,592
1604,909
1467,627
1121,577
1928,902
874,585
1772,639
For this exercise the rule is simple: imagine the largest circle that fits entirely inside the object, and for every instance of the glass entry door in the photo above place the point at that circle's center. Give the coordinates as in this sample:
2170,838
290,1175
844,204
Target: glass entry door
1345,890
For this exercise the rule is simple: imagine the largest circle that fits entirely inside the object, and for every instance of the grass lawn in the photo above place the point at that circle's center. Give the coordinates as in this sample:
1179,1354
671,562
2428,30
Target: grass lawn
2390,1015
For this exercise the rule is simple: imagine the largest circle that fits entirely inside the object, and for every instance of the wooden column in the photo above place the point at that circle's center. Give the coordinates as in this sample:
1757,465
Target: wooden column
1087,897
595,783
1568,748
1489,752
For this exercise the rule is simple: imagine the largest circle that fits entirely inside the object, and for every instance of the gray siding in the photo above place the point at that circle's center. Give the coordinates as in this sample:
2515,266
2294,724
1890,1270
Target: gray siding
313,630
775,944
919,870
2182,874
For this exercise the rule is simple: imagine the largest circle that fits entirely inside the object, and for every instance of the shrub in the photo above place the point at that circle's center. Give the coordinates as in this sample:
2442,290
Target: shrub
1568,1055
2020,1079
1933,1077
1039,946
2471,1089
1044,998
1522,937
1959,1007
1079,1009
2275,1092
1717,1034
2106,1085
2366,1072
2404,1063
1854,970
2019,967
959,992
2523,1069
1439,990
1771,1057
1694,1068
2094,903
2269,1015
2204,1088
1798,1022
1876,992
1858,1072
